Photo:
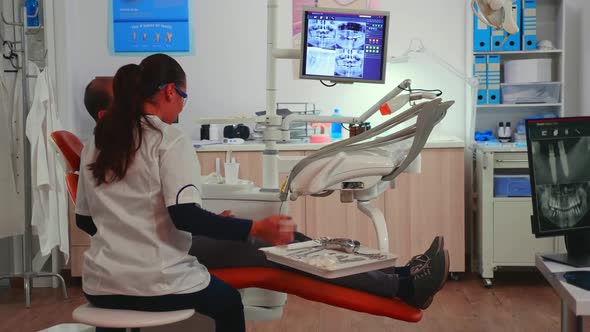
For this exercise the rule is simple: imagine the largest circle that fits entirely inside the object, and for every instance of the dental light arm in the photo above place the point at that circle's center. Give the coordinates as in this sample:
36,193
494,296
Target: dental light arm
424,126
231,120
405,85
361,168
315,118
393,100
429,114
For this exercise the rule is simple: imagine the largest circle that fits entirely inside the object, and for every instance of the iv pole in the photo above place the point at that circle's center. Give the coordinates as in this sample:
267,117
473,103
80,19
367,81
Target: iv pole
28,274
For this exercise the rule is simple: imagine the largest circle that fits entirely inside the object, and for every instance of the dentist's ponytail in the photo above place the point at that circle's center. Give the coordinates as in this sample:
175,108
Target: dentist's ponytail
119,134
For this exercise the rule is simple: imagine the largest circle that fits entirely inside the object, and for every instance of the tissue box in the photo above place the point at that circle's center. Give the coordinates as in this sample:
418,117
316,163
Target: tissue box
531,93
528,70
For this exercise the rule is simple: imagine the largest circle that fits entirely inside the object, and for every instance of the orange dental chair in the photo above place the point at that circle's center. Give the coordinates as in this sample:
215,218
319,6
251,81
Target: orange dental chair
267,278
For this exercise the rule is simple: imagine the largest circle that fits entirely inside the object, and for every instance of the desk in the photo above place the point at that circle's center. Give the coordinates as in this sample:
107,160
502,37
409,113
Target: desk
575,302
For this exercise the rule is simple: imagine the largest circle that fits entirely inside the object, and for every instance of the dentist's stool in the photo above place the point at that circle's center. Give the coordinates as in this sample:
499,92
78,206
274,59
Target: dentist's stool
130,320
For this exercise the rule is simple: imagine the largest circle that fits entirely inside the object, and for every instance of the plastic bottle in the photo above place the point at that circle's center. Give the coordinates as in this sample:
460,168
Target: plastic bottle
32,13
336,132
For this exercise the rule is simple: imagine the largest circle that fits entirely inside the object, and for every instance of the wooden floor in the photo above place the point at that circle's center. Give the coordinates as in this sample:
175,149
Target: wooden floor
519,301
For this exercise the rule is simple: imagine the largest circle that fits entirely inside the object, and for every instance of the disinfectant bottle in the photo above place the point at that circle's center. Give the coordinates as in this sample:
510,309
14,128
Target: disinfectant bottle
336,133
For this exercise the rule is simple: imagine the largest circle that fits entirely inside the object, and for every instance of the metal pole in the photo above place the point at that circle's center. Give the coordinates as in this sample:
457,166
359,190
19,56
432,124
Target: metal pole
569,321
29,274
27,150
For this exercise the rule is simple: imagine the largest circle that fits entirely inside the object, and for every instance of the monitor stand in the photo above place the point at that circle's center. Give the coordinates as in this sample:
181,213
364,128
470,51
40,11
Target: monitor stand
578,250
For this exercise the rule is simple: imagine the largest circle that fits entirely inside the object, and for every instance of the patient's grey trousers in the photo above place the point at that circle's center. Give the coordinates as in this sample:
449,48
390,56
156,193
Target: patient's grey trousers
216,254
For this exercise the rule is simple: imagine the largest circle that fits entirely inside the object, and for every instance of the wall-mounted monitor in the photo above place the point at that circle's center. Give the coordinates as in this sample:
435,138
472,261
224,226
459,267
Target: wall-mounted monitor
341,45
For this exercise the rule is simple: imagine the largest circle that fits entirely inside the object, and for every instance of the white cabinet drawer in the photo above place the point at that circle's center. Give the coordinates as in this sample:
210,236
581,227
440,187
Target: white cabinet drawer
511,160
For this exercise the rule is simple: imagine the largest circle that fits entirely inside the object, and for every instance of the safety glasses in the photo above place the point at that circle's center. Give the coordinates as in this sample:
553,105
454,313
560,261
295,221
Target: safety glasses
181,93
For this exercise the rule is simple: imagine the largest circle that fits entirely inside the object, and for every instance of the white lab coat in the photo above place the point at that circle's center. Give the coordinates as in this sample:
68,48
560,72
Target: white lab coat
17,126
50,215
11,205
137,250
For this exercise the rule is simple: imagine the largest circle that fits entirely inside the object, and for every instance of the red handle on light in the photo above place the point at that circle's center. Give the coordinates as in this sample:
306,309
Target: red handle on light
385,109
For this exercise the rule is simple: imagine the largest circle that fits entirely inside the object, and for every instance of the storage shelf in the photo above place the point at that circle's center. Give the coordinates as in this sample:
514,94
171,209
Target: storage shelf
502,232
536,52
531,106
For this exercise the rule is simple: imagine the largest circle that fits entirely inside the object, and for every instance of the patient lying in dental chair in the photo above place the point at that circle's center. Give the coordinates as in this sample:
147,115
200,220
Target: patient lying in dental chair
416,283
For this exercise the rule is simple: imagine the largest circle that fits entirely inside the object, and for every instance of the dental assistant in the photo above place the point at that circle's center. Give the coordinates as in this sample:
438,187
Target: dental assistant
139,186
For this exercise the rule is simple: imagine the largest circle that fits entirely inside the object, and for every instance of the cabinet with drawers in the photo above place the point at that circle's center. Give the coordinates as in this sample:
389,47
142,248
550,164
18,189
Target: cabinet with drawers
503,233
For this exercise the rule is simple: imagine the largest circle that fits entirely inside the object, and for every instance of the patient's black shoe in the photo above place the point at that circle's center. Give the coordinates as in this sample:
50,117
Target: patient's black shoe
419,263
430,278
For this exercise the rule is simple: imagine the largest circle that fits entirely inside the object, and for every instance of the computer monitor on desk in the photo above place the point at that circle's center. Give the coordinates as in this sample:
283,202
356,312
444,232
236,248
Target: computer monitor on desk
559,160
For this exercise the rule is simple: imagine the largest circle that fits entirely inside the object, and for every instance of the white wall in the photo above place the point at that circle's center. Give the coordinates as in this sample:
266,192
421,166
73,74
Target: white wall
225,76
409,20
577,54
227,73
584,55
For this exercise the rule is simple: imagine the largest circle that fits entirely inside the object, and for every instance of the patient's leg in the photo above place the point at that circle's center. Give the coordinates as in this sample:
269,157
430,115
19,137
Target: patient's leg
216,254
219,254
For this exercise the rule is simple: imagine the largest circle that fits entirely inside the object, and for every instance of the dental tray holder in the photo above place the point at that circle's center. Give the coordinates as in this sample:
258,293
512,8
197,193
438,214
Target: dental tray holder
294,256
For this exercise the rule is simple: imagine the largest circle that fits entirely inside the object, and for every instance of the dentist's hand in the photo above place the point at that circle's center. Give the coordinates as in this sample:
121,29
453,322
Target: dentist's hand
227,214
277,230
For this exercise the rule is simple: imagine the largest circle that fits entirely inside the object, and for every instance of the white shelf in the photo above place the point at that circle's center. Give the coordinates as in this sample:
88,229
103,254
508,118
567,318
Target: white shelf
506,147
512,106
536,52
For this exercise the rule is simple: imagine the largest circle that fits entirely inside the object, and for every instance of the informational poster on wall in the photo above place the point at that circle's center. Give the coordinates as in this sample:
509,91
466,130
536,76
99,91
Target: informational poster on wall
151,26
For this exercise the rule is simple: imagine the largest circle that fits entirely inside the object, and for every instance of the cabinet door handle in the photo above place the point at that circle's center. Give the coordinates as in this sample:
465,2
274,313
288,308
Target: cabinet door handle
512,161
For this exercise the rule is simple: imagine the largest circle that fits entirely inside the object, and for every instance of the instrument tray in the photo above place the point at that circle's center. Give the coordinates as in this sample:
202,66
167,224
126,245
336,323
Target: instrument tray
310,257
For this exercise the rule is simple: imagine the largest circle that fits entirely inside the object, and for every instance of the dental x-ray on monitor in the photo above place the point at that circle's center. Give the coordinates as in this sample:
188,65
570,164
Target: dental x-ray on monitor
559,160
344,45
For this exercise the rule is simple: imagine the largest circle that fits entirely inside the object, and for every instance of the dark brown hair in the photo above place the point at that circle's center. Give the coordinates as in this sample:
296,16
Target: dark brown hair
97,97
118,136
